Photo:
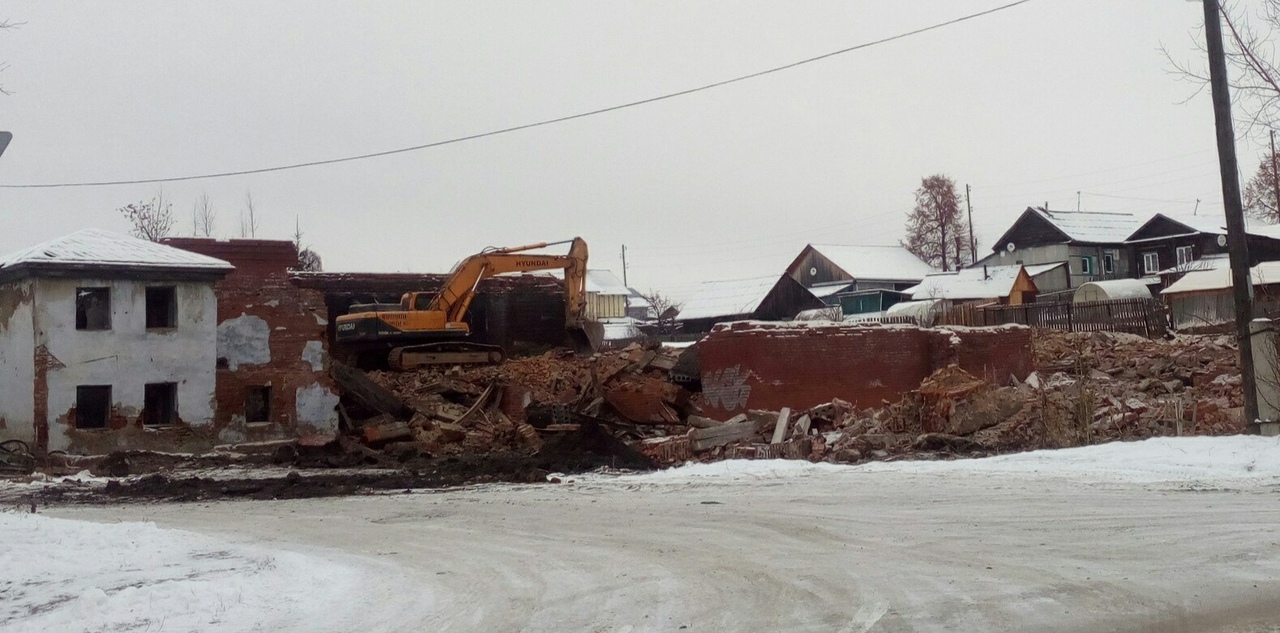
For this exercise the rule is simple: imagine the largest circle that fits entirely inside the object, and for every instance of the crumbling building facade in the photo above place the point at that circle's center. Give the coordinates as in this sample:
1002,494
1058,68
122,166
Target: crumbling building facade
107,342
272,349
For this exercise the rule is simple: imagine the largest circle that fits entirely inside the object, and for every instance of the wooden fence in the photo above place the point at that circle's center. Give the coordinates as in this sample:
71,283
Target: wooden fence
1135,316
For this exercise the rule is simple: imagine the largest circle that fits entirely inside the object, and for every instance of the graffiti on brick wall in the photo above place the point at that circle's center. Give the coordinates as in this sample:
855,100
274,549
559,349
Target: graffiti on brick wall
726,388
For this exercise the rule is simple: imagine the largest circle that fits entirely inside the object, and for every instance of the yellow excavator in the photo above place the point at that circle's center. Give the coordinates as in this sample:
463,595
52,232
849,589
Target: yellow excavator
429,328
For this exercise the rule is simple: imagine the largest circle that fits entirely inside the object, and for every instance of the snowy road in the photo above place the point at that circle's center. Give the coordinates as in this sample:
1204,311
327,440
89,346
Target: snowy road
1167,536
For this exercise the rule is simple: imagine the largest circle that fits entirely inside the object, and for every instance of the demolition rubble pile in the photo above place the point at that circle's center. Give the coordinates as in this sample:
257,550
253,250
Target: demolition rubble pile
1087,388
519,405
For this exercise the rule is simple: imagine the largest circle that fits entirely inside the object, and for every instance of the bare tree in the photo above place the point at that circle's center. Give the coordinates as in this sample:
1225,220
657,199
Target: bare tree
203,217
1253,75
7,25
248,219
937,232
151,219
308,259
664,308
1260,199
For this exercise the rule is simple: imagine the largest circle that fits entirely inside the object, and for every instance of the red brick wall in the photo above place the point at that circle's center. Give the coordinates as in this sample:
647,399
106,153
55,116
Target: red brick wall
260,286
767,366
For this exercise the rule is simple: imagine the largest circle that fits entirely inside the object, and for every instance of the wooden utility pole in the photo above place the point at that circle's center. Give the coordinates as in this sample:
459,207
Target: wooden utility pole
973,244
1237,244
624,265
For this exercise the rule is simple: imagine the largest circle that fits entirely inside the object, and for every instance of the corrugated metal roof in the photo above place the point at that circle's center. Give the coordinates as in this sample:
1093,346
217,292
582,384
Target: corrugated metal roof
1092,226
876,263
969,283
1220,279
96,247
727,298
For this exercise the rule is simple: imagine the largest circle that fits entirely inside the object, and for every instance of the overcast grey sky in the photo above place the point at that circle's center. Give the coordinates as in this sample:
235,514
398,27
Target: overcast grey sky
1027,105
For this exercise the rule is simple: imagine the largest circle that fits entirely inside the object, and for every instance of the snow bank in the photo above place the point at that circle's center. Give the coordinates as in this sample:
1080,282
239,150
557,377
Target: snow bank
1197,460
1208,460
62,575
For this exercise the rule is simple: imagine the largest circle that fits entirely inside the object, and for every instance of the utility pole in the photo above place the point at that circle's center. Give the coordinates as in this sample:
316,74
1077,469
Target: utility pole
624,266
973,244
1238,247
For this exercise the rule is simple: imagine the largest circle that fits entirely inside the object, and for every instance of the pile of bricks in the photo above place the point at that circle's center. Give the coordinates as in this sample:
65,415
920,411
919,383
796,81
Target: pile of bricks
516,404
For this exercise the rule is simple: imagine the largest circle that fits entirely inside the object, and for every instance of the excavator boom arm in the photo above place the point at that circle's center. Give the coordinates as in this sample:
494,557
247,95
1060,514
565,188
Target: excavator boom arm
454,297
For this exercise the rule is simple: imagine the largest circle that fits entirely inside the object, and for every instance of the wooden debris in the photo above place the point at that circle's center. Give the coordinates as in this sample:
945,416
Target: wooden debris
704,439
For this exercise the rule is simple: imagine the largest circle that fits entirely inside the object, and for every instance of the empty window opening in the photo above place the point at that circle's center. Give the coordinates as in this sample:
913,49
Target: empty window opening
257,404
160,403
162,307
93,406
93,308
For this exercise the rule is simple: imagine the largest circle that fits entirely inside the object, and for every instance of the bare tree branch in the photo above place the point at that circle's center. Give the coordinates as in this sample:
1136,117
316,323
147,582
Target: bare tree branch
1254,77
203,217
152,220
248,219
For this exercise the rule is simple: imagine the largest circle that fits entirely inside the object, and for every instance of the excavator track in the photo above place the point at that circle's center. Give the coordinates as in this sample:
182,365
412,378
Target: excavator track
445,353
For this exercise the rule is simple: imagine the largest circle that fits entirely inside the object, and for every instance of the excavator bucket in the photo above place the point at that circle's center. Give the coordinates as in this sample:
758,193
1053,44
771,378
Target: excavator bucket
587,338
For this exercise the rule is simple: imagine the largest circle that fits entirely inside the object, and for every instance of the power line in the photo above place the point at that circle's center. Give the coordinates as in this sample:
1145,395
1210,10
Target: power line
526,126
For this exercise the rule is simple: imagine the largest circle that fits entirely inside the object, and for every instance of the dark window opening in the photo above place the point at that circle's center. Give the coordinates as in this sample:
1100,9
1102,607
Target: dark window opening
93,308
93,406
162,307
160,403
257,404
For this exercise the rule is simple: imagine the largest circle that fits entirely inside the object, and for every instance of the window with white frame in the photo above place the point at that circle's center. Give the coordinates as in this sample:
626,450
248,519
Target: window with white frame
1086,265
1185,256
1109,261
1151,263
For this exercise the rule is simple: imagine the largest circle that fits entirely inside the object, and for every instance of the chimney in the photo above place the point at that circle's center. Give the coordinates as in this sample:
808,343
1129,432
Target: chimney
985,276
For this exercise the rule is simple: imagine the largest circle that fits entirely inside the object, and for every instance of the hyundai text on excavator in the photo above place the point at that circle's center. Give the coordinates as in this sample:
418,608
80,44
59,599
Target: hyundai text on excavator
428,328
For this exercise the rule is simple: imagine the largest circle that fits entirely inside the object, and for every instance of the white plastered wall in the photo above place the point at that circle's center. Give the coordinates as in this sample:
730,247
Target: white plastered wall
17,364
128,356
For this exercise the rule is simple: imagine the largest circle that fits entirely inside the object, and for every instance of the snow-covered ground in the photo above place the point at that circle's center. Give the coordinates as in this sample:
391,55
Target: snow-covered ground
1191,462
1071,540
67,575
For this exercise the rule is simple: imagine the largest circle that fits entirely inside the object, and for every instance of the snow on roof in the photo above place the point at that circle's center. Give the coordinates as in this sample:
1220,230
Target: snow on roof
600,281
727,298
604,282
1040,269
637,300
1220,279
1208,262
969,283
876,263
99,248
1216,224
1093,226
829,288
